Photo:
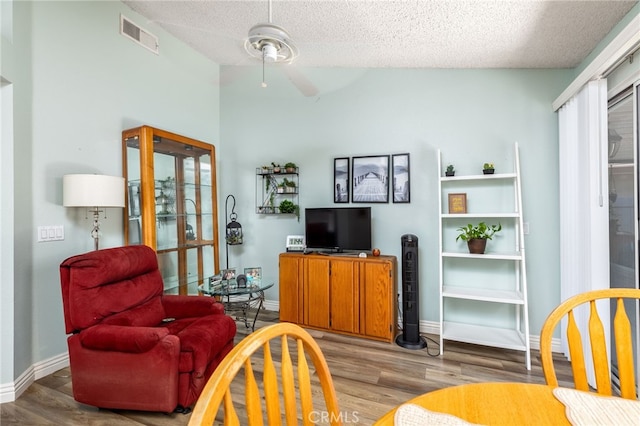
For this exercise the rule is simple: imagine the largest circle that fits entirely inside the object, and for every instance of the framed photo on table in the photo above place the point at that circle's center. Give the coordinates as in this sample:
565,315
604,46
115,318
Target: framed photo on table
458,203
253,273
228,274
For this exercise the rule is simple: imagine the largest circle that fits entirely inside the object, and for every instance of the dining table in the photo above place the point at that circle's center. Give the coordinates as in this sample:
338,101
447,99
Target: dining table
492,403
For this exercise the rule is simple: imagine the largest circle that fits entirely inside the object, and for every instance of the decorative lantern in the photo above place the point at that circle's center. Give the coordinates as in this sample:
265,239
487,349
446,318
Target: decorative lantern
234,229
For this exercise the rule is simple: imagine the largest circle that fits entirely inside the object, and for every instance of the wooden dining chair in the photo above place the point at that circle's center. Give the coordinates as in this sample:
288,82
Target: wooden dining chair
277,336
623,342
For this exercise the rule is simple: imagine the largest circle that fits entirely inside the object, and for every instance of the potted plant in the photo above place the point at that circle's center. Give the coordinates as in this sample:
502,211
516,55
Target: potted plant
287,206
450,171
477,236
289,186
276,167
488,168
290,167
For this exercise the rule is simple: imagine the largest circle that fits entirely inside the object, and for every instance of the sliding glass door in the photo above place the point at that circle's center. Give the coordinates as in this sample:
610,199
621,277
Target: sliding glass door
623,202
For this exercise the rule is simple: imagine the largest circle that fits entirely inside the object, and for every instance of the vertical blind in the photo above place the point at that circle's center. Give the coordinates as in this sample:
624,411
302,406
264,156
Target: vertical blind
584,206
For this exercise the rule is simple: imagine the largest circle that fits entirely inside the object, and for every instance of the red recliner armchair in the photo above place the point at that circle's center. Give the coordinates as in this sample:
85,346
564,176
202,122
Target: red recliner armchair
132,347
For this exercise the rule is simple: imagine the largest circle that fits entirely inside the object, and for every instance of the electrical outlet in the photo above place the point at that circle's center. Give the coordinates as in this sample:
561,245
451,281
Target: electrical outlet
525,228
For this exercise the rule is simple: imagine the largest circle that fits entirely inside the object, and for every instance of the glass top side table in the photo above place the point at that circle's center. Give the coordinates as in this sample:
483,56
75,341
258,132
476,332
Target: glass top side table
236,299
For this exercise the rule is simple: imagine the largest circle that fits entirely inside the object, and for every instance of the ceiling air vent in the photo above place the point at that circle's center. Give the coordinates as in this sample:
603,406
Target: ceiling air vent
141,36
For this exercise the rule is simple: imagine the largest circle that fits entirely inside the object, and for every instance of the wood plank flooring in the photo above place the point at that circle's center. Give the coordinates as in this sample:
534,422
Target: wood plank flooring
370,378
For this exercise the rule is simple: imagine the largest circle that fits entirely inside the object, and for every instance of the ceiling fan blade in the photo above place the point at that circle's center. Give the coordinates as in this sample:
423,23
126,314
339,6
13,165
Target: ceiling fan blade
304,85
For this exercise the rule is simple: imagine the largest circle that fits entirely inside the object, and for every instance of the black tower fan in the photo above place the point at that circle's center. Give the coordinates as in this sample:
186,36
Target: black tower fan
410,337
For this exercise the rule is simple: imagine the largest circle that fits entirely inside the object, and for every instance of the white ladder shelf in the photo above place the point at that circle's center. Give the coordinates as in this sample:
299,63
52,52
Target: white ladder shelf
483,297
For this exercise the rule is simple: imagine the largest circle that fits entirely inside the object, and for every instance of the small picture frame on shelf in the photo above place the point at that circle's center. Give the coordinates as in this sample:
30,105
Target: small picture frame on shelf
458,203
253,274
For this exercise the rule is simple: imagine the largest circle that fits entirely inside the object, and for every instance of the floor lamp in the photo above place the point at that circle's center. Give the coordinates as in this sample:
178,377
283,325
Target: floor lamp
94,192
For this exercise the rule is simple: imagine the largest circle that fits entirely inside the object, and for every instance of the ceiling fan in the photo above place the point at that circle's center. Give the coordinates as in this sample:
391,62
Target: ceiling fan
272,44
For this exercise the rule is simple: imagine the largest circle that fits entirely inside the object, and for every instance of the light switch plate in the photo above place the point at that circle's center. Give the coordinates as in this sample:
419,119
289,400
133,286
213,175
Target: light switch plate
50,233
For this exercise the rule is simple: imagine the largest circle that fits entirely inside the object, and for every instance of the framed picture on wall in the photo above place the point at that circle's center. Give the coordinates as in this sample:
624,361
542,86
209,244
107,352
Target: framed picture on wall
370,179
341,180
401,178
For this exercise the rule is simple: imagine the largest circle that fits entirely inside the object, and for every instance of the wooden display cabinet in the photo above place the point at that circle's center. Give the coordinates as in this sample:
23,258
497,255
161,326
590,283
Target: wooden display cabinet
349,295
171,204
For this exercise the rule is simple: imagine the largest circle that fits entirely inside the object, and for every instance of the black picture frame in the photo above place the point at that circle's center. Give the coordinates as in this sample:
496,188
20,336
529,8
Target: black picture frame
401,183
341,180
370,179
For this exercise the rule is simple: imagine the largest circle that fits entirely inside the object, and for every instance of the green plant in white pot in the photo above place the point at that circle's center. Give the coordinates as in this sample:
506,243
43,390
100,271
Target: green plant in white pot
289,186
476,236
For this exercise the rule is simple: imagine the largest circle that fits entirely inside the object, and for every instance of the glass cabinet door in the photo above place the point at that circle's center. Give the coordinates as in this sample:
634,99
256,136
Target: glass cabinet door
171,204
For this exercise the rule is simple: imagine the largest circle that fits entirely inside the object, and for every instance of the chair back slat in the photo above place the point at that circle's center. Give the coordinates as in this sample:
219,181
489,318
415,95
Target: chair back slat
622,334
304,383
624,351
577,354
270,385
231,417
288,384
599,351
252,394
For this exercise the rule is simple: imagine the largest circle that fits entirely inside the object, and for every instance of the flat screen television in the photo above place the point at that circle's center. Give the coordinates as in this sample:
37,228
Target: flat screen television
338,229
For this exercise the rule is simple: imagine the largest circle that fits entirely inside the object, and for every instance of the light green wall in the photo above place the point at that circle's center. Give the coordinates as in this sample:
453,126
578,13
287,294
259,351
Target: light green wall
473,116
78,83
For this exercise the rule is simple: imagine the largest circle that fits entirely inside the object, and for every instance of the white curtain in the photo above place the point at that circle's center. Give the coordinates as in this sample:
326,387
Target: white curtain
584,204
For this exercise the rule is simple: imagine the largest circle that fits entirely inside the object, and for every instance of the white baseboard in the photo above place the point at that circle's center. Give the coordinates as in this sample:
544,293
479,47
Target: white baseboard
271,305
433,327
9,392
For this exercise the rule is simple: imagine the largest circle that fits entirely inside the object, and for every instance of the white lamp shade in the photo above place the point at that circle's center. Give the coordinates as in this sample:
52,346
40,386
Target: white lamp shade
93,191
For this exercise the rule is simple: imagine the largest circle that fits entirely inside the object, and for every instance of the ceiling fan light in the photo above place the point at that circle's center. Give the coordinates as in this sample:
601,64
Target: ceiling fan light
269,53
262,35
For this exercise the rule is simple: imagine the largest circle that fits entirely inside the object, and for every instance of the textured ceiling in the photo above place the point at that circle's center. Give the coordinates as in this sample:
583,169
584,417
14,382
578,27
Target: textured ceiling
397,34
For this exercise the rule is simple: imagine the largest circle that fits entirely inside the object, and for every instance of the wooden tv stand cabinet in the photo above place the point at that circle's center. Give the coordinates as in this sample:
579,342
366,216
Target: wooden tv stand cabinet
340,293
